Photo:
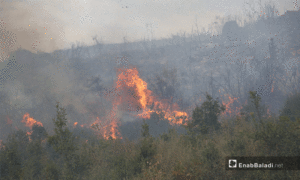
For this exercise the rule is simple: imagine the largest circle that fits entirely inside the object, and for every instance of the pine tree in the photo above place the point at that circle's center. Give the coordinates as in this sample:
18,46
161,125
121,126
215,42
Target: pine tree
205,117
12,155
292,107
63,142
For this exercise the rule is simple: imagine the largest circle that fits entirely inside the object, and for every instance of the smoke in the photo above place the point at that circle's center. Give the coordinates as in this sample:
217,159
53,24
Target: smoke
31,79
28,25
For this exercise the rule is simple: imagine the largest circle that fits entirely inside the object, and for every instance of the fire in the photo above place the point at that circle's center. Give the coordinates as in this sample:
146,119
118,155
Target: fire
229,106
272,88
131,79
143,98
84,125
29,121
75,124
113,130
109,129
132,94
29,134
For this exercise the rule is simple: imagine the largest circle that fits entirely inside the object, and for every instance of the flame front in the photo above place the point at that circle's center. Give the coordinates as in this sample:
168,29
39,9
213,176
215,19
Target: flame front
29,121
129,79
131,94
109,129
230,110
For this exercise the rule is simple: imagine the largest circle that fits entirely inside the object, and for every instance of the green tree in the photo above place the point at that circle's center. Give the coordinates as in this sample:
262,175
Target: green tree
12,155
166,85
211,158
33,165
292,107
63,142
167,136
254,109
51,171
147,150
38,133
255,98
277,137
280,138
205,117
145,130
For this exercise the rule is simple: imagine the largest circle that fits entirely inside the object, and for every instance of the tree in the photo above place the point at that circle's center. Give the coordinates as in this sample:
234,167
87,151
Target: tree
147,150
38,133
145,130
292,107
230,31
51,171
166,85
254,109
33,166
206,116
63,141
167,136
13,155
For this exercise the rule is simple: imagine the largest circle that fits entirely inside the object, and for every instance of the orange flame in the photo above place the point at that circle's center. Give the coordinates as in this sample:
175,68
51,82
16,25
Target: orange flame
28,134
272,88
129,78
131,92
75,124
228,105
82,125
111,129
30,121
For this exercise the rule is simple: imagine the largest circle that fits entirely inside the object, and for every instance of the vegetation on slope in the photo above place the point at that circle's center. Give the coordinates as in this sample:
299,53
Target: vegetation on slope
199,154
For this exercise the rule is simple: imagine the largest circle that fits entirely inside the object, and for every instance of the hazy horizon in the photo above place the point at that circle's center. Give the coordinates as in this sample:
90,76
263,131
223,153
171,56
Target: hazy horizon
51,25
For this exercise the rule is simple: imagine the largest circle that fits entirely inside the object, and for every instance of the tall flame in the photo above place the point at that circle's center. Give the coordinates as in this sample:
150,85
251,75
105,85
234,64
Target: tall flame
29,121
131,92
129,78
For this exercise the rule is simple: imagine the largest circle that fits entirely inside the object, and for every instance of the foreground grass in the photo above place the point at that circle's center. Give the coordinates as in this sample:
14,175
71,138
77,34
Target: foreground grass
171,156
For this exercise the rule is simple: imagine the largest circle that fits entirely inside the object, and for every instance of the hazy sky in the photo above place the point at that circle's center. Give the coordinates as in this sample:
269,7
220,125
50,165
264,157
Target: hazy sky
32,23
